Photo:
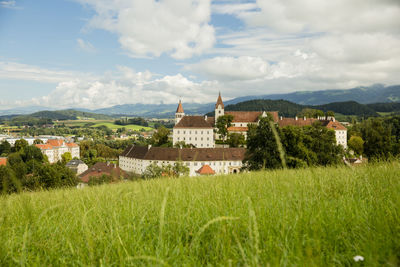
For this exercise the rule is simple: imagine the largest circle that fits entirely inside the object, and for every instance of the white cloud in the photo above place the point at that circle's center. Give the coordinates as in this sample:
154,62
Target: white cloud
151,28
18,71
85,46
8,4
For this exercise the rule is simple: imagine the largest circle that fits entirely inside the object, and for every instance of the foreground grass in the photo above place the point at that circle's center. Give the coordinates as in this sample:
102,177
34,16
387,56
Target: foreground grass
317,216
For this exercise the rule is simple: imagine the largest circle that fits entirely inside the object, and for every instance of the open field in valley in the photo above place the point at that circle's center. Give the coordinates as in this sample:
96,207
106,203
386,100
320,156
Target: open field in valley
109,124
310,217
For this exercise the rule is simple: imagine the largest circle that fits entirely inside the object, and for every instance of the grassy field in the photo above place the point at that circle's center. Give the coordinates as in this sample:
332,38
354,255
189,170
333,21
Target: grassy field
113,126
109,124
311,217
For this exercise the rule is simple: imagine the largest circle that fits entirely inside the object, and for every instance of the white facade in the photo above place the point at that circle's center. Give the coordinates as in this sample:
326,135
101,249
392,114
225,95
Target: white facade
138,166
199,137
341,137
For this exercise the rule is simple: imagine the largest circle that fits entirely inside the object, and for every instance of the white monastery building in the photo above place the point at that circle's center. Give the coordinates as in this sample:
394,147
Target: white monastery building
135,159
194,130
55,148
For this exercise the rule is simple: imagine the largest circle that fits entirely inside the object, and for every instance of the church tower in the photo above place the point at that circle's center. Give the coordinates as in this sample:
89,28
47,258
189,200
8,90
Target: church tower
219,108
179,114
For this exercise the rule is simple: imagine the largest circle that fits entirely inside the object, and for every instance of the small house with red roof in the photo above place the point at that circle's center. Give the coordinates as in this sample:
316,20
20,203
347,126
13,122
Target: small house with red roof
102,168
3,161
205,170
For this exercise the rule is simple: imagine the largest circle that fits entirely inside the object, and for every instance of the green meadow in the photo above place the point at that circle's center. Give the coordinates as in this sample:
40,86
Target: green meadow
309,217
110,124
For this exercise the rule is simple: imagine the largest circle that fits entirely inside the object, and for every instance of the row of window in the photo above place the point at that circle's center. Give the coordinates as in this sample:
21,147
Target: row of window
195,132
190,138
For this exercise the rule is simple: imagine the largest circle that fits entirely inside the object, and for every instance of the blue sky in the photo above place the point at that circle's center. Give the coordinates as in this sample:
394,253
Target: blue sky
99,53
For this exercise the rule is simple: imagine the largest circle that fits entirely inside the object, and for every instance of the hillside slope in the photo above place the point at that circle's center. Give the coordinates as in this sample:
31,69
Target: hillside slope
309,217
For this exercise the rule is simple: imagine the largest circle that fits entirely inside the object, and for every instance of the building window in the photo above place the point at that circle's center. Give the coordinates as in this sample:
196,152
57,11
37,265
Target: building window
195,132
201,132
178,132
184,132
219,111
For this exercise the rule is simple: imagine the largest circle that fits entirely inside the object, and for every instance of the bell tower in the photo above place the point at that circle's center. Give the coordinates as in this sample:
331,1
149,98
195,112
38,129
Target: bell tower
179,114
219,108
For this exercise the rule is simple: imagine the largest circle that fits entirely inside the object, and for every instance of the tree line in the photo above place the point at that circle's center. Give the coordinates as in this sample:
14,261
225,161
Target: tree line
28,169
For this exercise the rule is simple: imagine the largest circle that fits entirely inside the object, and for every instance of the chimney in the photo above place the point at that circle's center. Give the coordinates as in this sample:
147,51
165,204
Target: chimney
296,118
305,118
333,118
108,163
148,147
205,117
280,117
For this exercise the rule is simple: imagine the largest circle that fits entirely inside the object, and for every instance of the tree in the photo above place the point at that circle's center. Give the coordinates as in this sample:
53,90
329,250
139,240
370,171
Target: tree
20,145
330,113
262,148
66,157
5,148
323,144
180,169
8,180
236,140
378,141
356,143
32,152
152,171
160,137
37,141
311,113
223,123
296,144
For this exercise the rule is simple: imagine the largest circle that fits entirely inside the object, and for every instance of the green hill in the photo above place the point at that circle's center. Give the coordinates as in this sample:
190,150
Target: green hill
69,114
308,217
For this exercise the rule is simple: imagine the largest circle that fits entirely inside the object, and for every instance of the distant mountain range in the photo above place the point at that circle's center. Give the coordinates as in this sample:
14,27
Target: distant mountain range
363,95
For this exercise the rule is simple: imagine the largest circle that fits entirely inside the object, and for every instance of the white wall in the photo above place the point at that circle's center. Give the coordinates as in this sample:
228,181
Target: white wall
341,137
139,166
200,138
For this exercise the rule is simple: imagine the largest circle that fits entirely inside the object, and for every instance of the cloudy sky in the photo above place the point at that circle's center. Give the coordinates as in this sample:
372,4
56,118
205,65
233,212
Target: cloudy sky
99,53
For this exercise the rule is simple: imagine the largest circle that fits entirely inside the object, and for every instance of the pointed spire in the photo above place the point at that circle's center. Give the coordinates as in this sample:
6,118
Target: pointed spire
219,101
180,108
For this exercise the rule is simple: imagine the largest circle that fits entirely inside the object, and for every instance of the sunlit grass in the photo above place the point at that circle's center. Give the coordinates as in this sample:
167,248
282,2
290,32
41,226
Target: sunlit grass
311,217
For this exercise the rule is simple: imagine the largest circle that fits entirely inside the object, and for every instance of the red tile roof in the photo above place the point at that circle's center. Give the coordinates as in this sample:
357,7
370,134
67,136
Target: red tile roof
71,145
219,101
205,170
101,168
335,125
193,122
55,142
237,129
250,116
211,120
44,146
3,161
180,108
293,122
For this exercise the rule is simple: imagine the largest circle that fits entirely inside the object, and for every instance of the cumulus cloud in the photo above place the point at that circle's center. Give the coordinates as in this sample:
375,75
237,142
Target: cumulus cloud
151,27
123,85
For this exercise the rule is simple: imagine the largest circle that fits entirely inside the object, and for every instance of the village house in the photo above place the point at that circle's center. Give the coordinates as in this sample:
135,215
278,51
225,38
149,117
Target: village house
55,148
136,159
102,168
77,166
